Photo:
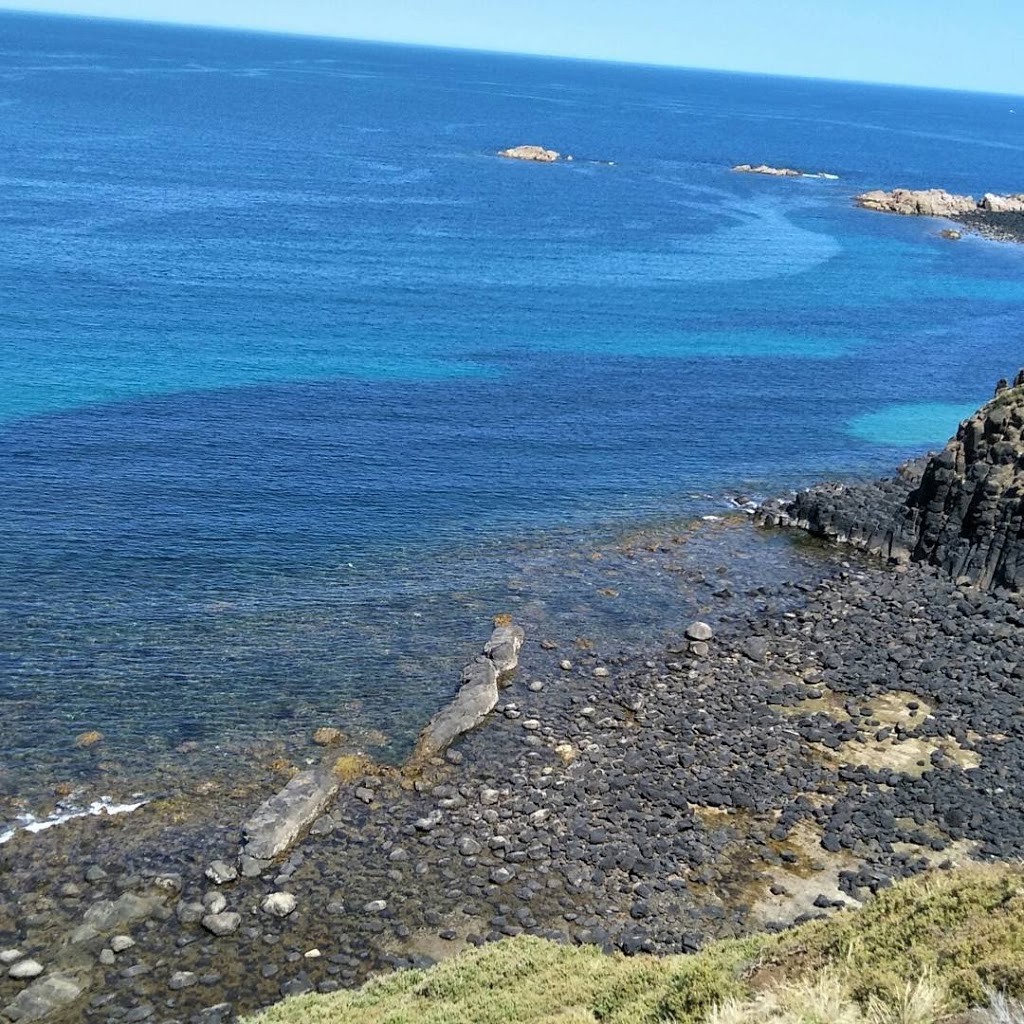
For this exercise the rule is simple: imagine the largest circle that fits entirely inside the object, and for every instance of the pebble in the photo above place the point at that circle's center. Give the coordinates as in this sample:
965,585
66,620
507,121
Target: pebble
375,906
700,631
8,956
531,724
119,943
565,664
107,957
182,979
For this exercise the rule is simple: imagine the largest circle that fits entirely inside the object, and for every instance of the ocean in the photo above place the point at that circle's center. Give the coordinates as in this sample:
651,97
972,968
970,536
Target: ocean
302,383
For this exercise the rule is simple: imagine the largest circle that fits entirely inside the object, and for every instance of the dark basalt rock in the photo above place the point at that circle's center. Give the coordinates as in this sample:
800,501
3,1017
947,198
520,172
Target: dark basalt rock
961,509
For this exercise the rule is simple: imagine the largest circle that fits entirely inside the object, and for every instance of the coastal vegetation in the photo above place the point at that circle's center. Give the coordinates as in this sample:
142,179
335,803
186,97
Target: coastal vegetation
923,951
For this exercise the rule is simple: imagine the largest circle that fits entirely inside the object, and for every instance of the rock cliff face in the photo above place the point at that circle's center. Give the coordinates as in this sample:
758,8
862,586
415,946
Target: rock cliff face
961,510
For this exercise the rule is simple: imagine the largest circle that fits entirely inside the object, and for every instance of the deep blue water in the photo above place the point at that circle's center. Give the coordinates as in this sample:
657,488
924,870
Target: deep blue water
296,372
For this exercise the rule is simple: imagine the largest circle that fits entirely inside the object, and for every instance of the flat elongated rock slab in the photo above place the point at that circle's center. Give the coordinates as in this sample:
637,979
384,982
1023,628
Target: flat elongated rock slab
288,813
43,997
478,693
475,700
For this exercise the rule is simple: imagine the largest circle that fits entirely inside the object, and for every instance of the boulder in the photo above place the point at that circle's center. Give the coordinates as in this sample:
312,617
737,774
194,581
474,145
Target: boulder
1002,204
699,631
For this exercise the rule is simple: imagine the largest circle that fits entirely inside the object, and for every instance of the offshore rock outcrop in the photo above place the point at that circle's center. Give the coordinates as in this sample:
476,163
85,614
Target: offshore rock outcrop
937,202
536,154
961,509
782,172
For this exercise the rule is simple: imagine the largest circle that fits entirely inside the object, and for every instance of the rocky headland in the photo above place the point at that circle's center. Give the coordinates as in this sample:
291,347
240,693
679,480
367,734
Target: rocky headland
996,216
961,510
789,753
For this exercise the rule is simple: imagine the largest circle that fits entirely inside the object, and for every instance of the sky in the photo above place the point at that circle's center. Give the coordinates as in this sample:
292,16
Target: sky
943,43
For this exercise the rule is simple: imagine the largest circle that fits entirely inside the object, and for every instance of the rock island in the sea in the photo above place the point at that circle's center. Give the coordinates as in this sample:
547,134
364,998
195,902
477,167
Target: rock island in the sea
538,154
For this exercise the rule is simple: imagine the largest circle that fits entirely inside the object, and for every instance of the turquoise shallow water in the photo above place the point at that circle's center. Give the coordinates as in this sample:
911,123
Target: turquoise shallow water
291,360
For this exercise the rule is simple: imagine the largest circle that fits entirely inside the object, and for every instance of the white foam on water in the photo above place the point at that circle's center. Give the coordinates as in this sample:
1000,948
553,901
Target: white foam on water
30,823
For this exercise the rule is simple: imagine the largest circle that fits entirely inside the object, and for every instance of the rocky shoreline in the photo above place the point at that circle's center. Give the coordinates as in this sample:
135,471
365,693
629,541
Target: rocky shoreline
859,726
998,217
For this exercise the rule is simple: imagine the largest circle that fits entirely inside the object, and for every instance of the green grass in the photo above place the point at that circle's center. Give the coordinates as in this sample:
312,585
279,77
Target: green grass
917,953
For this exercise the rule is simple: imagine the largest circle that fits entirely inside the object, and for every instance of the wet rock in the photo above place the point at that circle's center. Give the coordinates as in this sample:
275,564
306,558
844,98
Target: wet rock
43,997
327,736
190,913
215,902
279,904
502,650
220,873
223,923
106,916
699,631
755,648
182,979
252,867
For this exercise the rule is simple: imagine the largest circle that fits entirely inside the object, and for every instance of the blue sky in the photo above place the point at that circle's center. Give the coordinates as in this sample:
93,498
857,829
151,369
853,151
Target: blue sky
945,43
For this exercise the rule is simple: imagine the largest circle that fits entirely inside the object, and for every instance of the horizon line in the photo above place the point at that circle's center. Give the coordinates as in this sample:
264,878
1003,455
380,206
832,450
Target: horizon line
448,48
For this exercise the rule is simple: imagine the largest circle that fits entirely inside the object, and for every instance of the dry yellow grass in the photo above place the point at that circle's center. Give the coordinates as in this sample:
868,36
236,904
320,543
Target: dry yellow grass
915,954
